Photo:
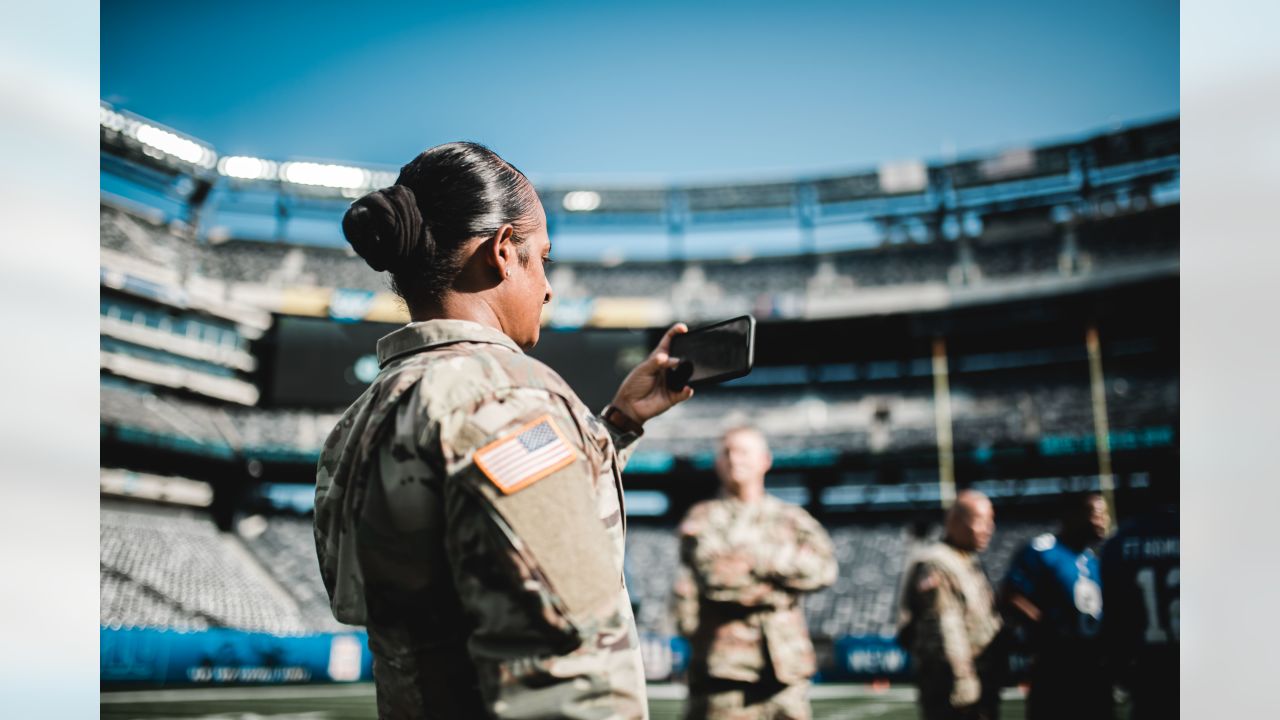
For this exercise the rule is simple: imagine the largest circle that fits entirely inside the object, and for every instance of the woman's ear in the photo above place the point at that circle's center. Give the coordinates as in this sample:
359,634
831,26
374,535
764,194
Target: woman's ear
500,250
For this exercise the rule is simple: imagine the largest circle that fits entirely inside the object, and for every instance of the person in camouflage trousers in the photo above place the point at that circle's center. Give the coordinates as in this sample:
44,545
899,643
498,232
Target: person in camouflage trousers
469,507
746,559
948,621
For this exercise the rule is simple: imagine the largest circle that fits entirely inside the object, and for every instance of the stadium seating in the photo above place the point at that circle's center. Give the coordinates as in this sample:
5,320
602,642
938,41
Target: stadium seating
274,432
188,335
133,234
287,547
789,274
905,264
1021,257
987,410
124,602
131,405
626,280
254,431
168,566
850,418
259,263
1129,238
1104,241
168,569
342,269
861,602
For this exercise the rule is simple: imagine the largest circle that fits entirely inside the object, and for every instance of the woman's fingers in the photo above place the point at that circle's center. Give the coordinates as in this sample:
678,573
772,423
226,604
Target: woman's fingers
664,345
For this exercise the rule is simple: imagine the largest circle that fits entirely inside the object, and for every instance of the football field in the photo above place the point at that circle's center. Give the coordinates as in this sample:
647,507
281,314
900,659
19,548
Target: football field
355,702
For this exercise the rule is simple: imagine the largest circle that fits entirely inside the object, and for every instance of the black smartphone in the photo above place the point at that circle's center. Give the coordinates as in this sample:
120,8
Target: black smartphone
713,353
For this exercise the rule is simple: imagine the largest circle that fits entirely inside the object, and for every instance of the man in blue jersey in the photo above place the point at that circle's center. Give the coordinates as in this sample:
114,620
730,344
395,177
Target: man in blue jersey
1140,567
1054,589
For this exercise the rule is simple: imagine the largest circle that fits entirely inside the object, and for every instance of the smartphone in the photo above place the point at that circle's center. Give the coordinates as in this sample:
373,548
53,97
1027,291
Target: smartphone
713,353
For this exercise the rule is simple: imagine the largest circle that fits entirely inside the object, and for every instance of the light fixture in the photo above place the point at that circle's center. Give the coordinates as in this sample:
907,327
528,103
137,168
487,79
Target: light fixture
247,168
171,143
110,119
581,201
325,175
382,178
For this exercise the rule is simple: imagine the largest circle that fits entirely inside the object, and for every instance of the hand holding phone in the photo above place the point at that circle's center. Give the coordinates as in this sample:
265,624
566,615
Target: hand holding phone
713,354
644,393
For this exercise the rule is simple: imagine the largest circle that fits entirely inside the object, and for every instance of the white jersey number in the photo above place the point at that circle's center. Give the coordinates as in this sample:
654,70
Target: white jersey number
1156,634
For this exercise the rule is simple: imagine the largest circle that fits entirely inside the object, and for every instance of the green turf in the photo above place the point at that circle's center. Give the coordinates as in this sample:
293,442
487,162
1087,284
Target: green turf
357,704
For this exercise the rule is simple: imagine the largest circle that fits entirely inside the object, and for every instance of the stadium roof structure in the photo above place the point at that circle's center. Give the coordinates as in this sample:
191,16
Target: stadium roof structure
187,169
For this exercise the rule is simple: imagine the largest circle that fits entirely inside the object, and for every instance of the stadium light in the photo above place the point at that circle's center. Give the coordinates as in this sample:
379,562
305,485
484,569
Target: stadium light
171,143
247,168
110,119
581,201
342,177
382,178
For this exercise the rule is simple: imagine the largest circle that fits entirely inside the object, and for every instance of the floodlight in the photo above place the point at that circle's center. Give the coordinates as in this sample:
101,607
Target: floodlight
173,144
382,178
324,175
581,201
110,119
247,168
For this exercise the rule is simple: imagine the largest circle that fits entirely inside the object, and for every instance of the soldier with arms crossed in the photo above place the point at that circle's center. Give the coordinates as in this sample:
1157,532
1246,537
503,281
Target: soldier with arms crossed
746,558
947,618
468,505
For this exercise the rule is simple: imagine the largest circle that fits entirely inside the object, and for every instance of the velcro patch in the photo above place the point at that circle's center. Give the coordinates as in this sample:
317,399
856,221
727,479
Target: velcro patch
533,451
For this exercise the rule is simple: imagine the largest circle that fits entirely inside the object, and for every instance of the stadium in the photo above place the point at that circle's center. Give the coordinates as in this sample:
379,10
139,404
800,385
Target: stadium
1005,322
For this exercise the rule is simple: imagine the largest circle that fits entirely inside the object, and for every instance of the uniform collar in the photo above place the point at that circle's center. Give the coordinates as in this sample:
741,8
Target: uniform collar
960,552
419,336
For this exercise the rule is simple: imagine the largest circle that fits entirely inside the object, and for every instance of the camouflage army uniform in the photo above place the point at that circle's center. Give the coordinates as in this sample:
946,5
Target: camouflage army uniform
947,620
743,568
483,596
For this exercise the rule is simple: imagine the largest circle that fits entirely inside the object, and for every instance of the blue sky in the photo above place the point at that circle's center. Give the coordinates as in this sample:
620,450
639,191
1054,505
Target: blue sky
656,91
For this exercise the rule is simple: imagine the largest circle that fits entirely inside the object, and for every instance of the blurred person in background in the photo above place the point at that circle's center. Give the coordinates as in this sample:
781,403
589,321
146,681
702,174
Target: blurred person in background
1140,591
1054,589
947,618
746,558
468,504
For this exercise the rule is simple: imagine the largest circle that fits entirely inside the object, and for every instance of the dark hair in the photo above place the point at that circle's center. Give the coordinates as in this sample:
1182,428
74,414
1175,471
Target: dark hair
1074,506
442,198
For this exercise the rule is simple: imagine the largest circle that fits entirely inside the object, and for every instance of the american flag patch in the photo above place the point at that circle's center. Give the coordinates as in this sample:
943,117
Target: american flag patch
525,456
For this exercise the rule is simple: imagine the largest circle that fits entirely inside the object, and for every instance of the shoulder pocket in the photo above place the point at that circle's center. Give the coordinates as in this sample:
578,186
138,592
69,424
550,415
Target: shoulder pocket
539,487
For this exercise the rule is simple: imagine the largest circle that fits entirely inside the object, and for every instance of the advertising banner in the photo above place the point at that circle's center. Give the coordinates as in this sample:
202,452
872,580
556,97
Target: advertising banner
223,656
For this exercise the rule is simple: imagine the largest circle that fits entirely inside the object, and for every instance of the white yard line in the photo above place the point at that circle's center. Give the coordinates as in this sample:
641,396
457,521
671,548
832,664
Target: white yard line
206,694
657,691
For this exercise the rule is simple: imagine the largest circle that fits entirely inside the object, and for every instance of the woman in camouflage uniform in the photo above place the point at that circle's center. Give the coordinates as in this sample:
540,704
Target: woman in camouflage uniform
468,505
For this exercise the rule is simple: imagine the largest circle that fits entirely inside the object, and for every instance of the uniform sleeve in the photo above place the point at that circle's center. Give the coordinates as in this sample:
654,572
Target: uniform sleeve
623,444
722,572
529,557
684,601
804,559
939,622
1021,574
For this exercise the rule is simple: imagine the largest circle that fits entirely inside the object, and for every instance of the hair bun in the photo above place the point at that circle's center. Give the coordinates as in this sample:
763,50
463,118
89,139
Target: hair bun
385,227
